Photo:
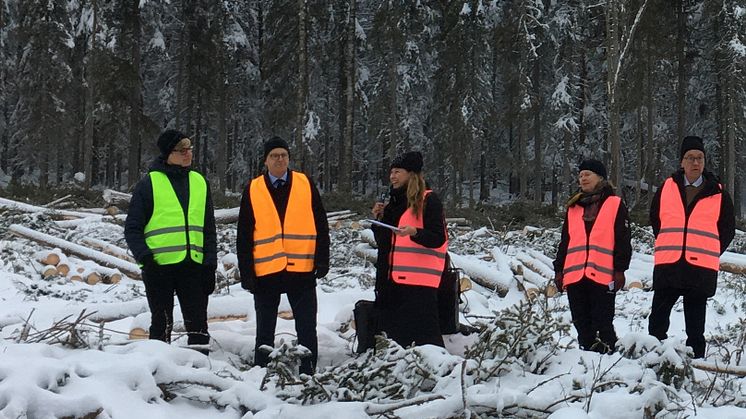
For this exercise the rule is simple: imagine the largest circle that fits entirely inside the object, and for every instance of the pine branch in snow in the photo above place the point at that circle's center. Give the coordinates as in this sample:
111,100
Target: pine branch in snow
523,335
387,376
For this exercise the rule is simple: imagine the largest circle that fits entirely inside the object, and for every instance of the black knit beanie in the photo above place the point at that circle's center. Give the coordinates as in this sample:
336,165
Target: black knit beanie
168,140
275,142
691,143
594,166
410,161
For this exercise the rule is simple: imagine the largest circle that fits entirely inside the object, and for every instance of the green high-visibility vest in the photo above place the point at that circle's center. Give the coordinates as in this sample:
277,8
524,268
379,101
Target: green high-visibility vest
166,232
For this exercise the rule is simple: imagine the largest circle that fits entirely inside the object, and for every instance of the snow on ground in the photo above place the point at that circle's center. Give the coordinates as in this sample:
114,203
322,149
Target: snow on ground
524,362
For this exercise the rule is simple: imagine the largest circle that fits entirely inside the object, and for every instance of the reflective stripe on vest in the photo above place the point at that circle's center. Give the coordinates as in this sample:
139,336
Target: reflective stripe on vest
166,232
591,255
699,233
292,245
412,263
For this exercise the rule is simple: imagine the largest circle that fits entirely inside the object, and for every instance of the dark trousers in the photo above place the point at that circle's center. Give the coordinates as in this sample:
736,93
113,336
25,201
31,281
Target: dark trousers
695,309
187,284
592,308
305,306
409,314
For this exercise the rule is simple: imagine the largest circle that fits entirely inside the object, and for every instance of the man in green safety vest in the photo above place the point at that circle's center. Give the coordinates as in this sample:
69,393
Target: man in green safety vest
170,230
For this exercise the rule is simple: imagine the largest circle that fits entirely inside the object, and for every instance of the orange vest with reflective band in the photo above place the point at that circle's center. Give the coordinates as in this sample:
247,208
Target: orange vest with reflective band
591,255
292,244
412,263
697,236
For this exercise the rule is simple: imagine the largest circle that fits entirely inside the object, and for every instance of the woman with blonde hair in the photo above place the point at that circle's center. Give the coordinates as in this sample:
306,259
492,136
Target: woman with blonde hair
411,259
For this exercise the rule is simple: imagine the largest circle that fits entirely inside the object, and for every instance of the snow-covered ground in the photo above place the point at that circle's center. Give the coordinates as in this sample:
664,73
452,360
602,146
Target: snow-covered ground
523,363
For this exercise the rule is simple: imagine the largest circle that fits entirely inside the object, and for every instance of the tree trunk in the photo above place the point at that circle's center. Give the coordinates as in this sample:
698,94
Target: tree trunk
651,147
345,161
135,99
221,157
4,137
522,172
681,86
612,60
729,141
300,115
201,146
89,105
567,180
538,174
43,142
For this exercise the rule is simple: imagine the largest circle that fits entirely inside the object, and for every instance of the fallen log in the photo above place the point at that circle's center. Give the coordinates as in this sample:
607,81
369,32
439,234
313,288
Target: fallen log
140,328
113,197
56,201
91,218
54,213
368,237
129,269
108,248
48,271
226,215
738,370
51,257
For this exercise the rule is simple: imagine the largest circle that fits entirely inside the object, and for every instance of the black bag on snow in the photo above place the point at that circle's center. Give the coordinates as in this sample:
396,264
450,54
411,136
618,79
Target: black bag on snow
448,299
366,323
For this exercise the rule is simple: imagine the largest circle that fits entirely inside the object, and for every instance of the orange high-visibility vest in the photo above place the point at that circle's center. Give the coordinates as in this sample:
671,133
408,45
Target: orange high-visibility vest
412,263
697,234
591,255
292,245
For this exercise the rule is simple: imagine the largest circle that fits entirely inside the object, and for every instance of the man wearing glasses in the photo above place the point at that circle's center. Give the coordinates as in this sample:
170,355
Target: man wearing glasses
693,222
170,230
282,246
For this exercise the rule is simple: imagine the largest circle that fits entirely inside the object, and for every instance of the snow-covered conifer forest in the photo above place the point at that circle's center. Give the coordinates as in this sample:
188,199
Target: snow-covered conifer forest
504,98
496,93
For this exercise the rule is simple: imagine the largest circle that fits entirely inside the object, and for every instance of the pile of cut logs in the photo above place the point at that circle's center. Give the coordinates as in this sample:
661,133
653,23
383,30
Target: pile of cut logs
56,263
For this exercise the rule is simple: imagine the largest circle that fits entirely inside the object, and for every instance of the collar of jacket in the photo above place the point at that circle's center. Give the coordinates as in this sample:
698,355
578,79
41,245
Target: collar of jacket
160,165
710,185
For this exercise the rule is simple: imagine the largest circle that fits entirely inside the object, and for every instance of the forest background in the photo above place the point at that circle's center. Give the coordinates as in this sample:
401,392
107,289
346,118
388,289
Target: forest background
504,98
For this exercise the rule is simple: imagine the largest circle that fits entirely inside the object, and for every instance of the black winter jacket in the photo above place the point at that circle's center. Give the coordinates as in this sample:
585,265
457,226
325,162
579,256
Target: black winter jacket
622,237
281,281
681,274
432,235
141,209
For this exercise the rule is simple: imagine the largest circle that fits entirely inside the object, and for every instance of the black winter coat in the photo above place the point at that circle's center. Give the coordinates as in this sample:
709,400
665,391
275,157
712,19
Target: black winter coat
281,281
141,209
681,274
622,237
409,313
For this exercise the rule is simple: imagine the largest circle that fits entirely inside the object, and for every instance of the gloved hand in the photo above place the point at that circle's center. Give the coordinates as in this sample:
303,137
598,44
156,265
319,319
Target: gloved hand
558,277
619,280
320,271
208,278
248,281
149,266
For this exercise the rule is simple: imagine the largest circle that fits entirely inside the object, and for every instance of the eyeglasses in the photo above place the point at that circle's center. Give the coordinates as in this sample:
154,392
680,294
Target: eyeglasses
278,156
183,151
692,159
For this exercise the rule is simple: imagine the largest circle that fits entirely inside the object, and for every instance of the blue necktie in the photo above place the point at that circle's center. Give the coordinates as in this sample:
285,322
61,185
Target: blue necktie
278,183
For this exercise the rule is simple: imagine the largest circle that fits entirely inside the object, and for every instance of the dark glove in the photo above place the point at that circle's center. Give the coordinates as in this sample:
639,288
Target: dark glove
208,278
619,280
149,266
248,281
321,271
558,281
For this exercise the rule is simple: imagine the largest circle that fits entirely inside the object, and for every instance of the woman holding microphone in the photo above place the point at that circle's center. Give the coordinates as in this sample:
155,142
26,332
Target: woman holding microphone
412,257
593,254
